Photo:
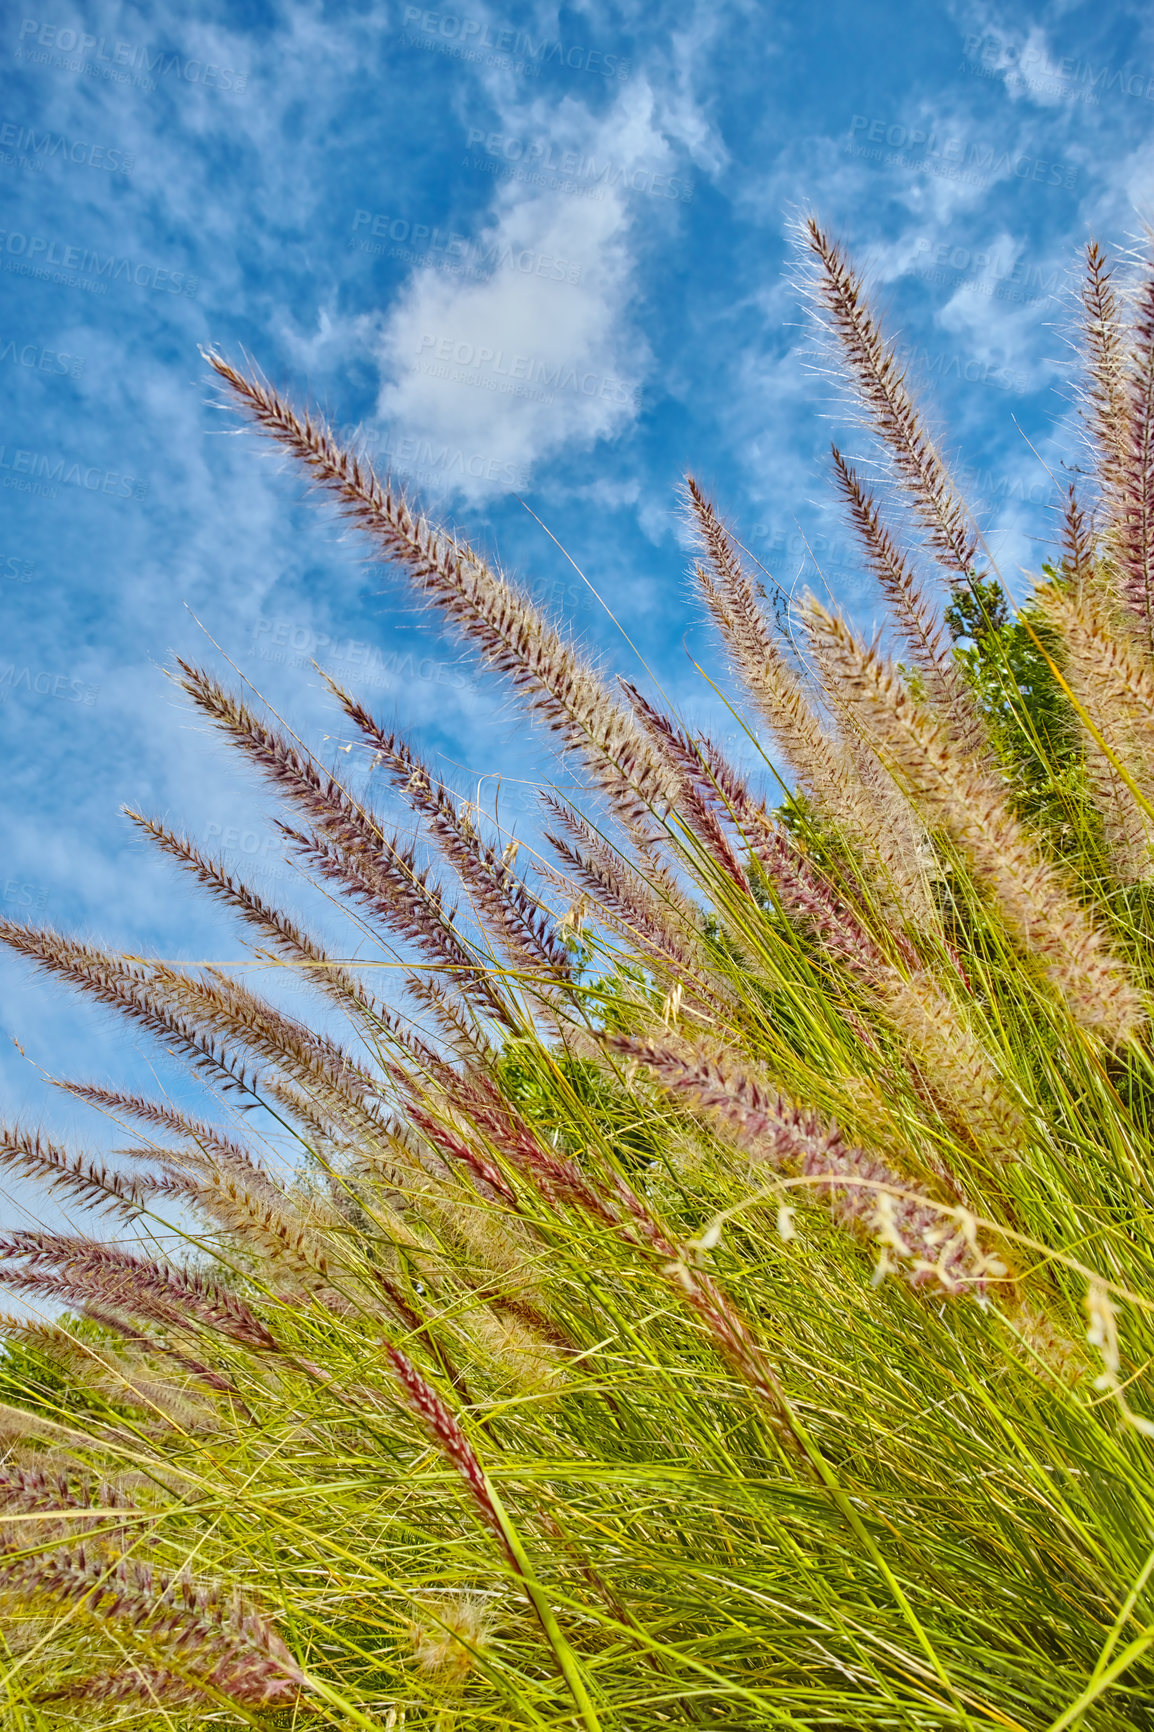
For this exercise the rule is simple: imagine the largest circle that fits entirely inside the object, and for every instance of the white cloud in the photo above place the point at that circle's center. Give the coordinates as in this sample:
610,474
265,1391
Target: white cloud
519,366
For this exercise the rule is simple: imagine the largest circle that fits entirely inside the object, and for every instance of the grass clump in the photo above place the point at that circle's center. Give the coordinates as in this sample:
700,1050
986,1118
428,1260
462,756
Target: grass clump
719,1291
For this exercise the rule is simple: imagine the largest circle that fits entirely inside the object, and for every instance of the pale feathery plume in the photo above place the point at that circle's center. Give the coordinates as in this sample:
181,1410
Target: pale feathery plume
930,1243
605,885
971,805
146,993
962,1081
350,847
242,1682
60,1345
828,911
166,1404
561,686
127,987
97,1297
905,865
771,680
505,905
420,1056
912,611
388,1151
450,1632
198,1623
158,1113
1112,681
291,940
1131,533
79,1176
164,1348
1079,545
199,1010
1104,335
879,378
31,1490
451,1015
499,1242
892,845
824,765
653,914
223,1180
270,1224
318,1130
30,1432
685,761
292,1246
959,1073
209,1144
130,1375
342,1086
530,1347
398,892
648,842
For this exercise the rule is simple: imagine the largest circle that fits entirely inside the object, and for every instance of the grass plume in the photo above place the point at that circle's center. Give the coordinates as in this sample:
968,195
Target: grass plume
716,1288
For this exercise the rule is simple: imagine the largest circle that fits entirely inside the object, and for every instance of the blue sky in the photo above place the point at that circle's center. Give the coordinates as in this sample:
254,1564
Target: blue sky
533,257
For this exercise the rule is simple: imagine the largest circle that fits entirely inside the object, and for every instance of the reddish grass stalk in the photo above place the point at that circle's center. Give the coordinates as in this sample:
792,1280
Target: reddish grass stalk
195,1621
106,1275
795,1140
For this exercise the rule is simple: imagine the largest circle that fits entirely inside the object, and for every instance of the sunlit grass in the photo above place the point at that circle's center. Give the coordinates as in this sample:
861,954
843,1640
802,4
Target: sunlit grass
717,1291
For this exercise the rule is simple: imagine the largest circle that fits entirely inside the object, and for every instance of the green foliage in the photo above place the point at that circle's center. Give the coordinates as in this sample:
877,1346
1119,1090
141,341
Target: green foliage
29,1378
1008,661
529,1077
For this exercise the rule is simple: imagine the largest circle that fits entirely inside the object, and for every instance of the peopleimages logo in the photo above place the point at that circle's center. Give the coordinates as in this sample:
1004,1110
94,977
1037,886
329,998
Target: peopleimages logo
36,359
515,375
15,569
996,56
119,62
293,645
418,242
19,893
471,35
38,682
37,148
422,459
50,260
534,158
41,472
985,273
972,160
941,364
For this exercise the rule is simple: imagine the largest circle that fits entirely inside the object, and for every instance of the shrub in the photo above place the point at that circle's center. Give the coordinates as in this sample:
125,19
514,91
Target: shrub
719,1291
